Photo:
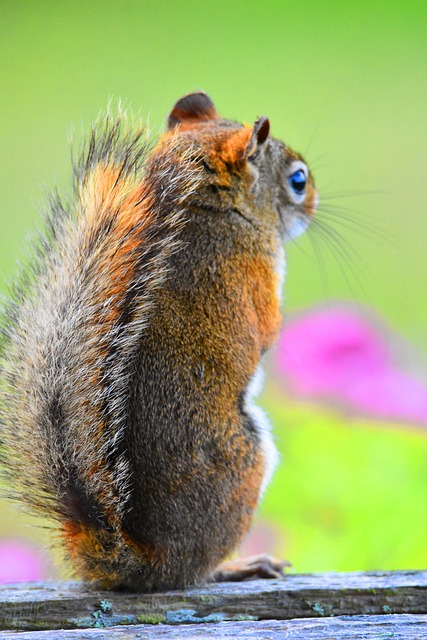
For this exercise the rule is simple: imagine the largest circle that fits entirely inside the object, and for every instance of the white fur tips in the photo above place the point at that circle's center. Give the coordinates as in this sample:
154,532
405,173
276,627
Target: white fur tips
298,227
263,429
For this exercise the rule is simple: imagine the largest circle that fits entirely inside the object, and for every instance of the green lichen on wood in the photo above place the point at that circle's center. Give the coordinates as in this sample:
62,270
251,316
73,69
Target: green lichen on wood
72,605
318,608
151,618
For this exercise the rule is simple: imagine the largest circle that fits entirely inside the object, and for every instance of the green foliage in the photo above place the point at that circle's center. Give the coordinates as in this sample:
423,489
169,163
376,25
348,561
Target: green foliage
348,494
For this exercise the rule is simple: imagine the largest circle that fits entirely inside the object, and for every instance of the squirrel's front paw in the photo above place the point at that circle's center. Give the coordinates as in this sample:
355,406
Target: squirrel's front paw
261,566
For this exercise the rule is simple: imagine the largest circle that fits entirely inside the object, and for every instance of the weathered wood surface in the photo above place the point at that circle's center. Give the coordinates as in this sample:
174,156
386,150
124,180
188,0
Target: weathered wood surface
36,606
398,627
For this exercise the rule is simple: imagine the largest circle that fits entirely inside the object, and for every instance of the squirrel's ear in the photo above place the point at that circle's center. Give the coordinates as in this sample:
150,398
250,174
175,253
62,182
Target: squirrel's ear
259,135
195,107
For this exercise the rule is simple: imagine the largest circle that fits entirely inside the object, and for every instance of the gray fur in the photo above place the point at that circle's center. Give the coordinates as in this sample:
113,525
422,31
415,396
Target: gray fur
47,401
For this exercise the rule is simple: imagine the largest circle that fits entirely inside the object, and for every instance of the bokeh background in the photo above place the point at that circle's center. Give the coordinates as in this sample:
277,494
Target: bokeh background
345,84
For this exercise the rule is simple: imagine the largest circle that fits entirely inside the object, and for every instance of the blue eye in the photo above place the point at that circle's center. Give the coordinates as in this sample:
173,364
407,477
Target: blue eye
298,181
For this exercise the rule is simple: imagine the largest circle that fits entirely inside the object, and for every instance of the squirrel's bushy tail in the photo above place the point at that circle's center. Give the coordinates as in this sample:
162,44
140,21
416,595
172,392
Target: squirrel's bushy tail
70,333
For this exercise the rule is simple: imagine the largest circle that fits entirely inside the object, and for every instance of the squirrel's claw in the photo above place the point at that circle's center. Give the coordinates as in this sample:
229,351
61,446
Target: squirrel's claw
260,566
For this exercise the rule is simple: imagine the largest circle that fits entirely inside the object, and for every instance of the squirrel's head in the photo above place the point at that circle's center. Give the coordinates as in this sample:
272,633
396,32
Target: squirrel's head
245,170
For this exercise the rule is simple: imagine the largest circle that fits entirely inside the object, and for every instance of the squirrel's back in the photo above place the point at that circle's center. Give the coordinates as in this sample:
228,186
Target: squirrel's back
130,349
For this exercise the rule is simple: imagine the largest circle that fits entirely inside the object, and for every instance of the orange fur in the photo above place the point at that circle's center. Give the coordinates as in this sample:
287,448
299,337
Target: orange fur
132,359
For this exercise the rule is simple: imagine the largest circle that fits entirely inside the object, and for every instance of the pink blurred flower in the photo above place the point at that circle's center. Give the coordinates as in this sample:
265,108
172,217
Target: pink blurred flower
262,536
341,355
19,562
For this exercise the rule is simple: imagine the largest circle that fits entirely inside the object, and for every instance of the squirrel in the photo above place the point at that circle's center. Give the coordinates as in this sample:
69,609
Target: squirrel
131,347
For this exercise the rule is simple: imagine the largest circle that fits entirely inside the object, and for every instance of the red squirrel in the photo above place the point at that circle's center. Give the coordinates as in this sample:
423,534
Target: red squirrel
132,344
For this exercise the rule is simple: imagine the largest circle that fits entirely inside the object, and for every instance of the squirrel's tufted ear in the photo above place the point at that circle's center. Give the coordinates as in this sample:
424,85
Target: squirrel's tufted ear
259,135
195,107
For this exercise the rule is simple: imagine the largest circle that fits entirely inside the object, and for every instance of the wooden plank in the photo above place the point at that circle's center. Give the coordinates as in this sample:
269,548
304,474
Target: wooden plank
398,627
36,606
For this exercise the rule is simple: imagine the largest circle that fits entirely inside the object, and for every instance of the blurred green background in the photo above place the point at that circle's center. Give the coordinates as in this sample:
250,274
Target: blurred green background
345,84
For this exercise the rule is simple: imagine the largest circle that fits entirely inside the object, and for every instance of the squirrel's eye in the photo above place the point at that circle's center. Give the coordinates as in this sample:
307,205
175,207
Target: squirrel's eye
298,181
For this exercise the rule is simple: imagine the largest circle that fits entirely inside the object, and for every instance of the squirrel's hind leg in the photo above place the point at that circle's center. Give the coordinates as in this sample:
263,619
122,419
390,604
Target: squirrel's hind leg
259,566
